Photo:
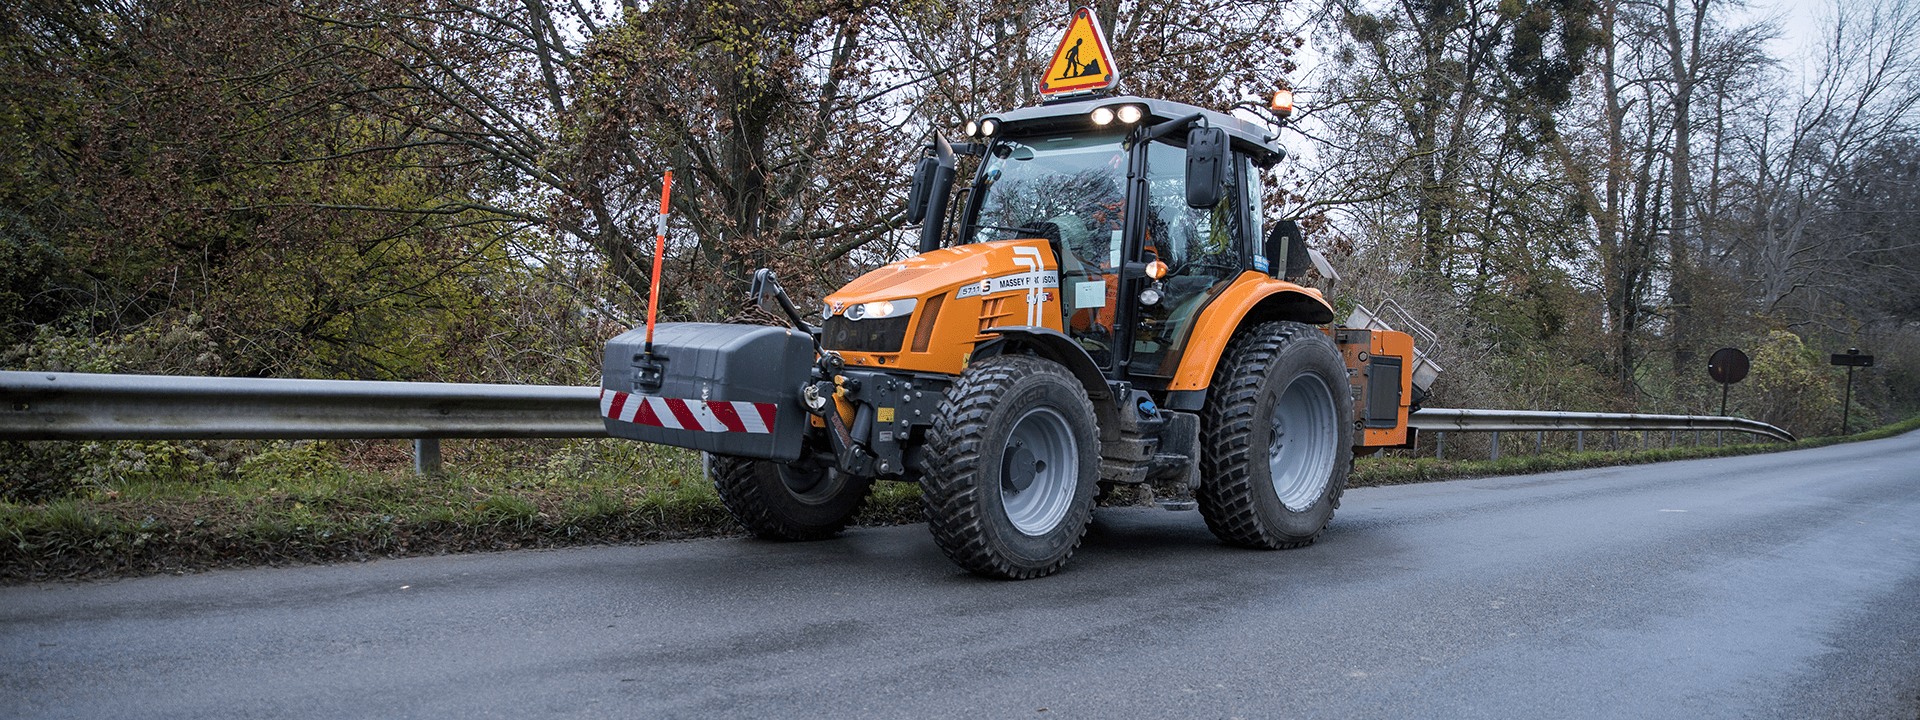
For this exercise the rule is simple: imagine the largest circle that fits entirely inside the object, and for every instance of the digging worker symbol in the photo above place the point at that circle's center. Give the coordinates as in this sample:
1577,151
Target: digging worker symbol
1081,63
1074,68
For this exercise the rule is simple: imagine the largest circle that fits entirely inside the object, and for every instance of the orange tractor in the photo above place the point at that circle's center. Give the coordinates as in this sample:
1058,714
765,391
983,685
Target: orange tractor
1100,309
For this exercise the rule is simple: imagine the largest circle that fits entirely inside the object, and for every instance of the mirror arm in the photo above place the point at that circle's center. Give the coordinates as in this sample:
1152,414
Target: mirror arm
766,291
1173,126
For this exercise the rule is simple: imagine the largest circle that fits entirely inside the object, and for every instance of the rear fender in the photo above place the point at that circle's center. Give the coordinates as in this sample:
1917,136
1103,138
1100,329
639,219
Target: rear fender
1254,298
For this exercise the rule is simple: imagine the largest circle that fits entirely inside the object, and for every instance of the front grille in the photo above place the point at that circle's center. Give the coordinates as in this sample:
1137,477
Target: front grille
883,335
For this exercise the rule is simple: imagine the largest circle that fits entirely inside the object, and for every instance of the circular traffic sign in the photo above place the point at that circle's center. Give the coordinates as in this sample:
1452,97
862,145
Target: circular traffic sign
1727,366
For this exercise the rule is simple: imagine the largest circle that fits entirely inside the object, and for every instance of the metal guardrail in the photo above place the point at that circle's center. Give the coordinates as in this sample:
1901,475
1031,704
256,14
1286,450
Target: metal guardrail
84,406
1438,419
1443,420
80,406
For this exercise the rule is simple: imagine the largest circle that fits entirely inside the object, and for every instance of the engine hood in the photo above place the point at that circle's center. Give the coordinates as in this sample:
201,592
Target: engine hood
992,267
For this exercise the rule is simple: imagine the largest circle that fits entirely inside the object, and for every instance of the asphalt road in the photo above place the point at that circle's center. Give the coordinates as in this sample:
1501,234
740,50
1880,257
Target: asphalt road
1774,586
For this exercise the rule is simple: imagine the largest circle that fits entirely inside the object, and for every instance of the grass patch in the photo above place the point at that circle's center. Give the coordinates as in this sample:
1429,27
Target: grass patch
307,502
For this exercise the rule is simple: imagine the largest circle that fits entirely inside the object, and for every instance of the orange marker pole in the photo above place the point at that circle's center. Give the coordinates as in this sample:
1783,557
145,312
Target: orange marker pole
659,249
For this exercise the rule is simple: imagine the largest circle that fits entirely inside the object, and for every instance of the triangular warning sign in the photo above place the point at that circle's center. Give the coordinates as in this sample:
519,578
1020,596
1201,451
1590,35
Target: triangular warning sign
1082,63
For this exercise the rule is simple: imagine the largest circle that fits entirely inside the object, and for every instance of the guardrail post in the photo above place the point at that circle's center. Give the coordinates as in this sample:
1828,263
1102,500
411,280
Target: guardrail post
426,456
1539,441
1496,446
1440,446
1579,441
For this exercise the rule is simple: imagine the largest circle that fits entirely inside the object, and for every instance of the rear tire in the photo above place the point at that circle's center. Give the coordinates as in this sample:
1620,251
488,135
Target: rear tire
778,501
1276,438
1013,464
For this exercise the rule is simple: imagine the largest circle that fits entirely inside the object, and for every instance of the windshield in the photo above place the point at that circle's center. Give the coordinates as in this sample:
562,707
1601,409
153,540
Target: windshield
1071,188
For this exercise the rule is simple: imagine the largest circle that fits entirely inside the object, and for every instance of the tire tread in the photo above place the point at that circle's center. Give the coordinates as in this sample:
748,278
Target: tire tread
1226,496
746,499
956,443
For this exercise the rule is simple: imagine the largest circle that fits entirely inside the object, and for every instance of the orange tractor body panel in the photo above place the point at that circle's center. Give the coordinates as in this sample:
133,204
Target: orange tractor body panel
960,293
1221,317
1389,354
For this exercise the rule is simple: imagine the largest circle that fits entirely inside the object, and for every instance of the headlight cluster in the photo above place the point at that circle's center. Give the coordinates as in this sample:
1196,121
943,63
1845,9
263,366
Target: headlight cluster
881,309
982,128
1127,114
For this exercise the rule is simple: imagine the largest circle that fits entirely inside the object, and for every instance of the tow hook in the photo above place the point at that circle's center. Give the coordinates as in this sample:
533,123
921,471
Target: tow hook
816,399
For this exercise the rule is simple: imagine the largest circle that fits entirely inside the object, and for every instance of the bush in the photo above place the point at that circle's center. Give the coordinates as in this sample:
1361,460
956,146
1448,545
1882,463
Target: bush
32,472
1794,387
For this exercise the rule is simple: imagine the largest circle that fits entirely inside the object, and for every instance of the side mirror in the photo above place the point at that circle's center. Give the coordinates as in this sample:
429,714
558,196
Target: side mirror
922,183
1277,246
1206,166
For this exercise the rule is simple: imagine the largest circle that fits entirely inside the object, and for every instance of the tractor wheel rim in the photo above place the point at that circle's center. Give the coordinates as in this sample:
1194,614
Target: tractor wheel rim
1300,450
1041,434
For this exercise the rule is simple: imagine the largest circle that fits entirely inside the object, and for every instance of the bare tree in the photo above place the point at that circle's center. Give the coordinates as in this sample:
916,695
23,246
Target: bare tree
768,111
1864,91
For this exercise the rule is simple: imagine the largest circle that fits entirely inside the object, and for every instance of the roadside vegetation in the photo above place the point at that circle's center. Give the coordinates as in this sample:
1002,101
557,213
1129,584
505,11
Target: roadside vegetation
161,512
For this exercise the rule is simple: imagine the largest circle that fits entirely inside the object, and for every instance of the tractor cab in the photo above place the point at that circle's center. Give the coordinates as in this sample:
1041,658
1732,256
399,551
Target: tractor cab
1151,208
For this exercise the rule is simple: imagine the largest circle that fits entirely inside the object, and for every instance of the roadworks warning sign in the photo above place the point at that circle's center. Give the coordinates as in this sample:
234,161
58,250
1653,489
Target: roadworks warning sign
1082,63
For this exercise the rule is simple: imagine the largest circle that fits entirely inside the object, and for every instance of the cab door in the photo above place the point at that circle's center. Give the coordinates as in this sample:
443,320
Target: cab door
1204,250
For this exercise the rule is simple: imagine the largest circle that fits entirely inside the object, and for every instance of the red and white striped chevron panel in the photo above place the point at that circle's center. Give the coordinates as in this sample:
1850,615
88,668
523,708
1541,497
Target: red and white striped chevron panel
677,414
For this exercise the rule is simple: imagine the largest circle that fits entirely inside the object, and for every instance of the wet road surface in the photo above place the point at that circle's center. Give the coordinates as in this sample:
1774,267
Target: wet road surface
1771,586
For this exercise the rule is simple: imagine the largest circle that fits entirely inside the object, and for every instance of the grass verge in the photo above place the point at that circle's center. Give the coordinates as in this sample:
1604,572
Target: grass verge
312,502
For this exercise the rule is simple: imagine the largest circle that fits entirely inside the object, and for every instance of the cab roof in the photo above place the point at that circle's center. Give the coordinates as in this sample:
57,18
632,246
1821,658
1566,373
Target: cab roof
1252,138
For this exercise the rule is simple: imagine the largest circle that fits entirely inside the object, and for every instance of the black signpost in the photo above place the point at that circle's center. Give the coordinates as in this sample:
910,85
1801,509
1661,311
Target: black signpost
1851,360
1727,366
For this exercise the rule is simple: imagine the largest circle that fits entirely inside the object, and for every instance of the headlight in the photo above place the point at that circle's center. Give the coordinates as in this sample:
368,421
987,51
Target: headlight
881,309
988,127
1102,116
1131,114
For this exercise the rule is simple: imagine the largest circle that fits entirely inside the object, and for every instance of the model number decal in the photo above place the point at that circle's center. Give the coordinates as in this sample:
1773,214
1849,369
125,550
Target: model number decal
1005,283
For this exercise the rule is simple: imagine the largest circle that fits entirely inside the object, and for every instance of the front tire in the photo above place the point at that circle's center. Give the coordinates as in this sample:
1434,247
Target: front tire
1013,464
1276,438
778,501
